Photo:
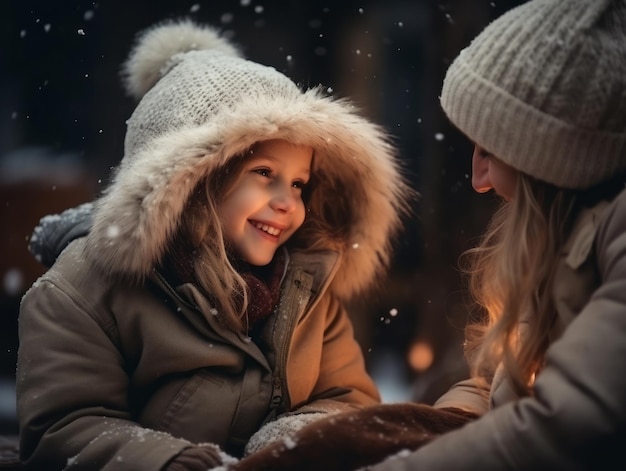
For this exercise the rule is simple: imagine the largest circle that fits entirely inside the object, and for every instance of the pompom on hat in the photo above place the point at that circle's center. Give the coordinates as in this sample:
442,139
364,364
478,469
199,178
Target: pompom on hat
543,88
159,46
200,104
185,74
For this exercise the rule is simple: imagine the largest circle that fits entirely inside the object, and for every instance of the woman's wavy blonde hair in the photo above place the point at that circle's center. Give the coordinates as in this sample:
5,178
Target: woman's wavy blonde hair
511,275
199,253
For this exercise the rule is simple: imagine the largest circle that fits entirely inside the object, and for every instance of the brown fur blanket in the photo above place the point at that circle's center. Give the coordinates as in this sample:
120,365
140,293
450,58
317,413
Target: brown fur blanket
352,440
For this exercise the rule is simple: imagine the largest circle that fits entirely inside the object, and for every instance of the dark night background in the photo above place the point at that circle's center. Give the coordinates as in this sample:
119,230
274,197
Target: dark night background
62,123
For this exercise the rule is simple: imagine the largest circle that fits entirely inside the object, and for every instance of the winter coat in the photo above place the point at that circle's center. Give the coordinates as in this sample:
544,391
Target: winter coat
97,357
577,416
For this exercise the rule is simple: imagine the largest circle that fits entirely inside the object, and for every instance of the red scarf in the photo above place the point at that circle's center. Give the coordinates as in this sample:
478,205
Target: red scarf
263,284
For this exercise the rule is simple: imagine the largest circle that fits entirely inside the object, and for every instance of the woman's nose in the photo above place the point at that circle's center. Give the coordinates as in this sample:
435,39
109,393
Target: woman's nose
480,171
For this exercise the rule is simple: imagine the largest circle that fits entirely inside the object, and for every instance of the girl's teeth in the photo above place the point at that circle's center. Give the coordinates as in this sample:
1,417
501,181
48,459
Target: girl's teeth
268,229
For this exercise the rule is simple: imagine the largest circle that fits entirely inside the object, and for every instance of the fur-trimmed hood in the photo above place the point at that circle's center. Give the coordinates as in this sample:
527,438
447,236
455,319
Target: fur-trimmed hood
201,108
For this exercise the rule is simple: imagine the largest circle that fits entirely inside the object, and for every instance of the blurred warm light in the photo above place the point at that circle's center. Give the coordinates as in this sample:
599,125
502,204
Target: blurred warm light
420,356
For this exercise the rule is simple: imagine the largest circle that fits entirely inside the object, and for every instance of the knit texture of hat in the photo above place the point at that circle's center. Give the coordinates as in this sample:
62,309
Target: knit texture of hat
200,75
543,88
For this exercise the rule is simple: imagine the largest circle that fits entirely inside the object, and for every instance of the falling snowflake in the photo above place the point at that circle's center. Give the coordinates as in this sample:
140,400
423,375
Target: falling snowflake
113,231
13,281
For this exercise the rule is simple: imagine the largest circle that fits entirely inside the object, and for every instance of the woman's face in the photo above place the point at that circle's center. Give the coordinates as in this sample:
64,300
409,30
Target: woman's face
490,173
264,207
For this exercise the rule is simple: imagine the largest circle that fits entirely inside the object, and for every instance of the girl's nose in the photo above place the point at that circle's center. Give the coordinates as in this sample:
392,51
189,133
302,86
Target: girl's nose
284,200
480,171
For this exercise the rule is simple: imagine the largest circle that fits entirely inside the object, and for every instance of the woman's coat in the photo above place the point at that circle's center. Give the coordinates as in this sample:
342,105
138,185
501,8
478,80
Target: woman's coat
577,417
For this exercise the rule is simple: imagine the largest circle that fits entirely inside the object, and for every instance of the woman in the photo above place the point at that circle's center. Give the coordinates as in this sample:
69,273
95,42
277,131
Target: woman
541,92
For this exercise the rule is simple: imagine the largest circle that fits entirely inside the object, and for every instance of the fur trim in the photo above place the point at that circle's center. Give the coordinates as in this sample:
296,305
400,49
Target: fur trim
141,209
155,51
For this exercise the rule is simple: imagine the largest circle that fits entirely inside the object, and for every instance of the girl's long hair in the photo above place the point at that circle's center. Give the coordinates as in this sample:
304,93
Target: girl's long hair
511,276
199,254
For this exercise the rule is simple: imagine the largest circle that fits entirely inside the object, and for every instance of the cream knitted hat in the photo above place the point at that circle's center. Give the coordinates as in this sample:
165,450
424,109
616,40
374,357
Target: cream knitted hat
185,75
543,88
201,104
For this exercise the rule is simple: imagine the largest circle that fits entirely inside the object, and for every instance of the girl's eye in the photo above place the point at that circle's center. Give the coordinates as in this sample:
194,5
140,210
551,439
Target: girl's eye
264,172
299,185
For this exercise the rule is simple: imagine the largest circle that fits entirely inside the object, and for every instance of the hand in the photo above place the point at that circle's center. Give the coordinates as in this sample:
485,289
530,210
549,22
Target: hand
351,440
199,458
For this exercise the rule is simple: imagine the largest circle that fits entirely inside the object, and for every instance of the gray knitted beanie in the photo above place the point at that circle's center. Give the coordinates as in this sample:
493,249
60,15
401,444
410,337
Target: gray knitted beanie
543,88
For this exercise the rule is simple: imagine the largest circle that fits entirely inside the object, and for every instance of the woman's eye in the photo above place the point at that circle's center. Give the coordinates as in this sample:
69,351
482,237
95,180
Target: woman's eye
484,154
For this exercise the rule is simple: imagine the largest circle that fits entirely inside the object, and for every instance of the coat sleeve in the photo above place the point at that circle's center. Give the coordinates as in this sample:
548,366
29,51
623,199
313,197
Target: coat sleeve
72,389
577,416
342,381
467,395
326,374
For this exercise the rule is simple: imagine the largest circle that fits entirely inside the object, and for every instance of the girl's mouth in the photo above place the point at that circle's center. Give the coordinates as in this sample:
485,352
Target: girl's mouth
271,230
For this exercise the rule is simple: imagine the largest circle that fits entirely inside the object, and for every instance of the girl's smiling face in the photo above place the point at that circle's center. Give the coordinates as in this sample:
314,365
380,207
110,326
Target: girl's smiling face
490,173
264,207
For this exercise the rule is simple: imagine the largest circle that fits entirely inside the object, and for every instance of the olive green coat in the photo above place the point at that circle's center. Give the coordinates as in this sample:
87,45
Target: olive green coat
120,377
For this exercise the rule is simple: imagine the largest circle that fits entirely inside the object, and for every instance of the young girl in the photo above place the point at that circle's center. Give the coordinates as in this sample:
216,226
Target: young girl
542,94
207,299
